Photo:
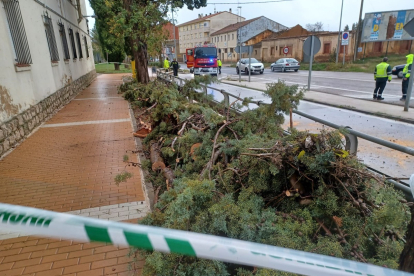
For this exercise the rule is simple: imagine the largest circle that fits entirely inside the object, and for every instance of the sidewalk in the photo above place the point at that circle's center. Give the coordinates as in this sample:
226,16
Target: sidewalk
69,165
365,106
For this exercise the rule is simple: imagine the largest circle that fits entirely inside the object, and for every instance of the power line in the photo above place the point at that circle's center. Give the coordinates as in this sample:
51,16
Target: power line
262,2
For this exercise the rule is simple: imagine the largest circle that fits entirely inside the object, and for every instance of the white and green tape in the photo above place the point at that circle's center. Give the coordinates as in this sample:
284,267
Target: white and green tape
49,224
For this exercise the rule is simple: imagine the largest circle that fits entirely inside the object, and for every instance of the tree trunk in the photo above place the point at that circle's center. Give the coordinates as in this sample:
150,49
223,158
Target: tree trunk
141,61
407,255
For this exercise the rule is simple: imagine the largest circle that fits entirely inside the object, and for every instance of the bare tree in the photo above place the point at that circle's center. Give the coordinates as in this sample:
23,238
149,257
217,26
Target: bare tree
317,27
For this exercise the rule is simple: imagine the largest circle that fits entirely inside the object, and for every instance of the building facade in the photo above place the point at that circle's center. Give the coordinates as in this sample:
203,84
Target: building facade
198,31
172,40
251,32
46,57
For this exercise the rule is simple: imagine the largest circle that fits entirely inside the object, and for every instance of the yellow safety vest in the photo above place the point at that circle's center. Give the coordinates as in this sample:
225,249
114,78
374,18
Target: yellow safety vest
381,71
219,62
407,67
166,64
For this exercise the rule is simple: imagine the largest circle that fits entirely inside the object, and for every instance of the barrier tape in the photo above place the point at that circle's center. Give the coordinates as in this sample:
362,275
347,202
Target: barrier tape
49,224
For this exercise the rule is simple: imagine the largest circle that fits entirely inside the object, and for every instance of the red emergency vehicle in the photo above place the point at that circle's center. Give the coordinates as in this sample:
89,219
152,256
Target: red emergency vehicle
202,60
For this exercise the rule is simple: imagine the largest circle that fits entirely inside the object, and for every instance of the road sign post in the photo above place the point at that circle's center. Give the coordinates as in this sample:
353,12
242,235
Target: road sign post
311,46
409,28
344,42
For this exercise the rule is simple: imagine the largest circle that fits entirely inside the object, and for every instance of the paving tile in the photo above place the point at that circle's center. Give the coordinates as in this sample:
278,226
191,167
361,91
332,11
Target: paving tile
71,168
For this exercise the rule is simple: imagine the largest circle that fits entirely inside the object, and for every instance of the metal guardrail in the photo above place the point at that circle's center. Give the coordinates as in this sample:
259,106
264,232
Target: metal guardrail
351,136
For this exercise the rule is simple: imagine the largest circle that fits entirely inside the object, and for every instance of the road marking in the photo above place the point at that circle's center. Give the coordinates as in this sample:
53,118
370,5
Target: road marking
115,212
87,123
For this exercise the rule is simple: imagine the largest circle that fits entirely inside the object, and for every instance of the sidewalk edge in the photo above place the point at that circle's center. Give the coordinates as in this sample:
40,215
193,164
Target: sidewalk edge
381,115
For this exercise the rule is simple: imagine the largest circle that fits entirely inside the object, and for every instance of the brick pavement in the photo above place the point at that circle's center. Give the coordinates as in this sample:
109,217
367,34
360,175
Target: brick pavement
69,165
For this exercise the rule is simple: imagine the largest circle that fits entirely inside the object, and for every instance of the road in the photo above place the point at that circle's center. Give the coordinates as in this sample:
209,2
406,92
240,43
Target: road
348,84
388,161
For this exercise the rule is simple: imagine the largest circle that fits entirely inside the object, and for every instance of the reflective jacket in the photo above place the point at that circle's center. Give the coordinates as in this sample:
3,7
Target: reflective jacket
174,65
166,64
219,63
407,68
383,71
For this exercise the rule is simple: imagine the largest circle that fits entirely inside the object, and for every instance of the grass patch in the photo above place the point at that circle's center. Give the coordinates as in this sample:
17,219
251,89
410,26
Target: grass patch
366,66
106,68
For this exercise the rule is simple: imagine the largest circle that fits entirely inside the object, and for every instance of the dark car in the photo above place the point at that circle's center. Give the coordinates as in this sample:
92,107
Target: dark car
398,70
285,64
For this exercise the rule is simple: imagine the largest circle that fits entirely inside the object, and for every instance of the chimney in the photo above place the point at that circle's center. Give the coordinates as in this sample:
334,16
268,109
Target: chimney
230,10
210,13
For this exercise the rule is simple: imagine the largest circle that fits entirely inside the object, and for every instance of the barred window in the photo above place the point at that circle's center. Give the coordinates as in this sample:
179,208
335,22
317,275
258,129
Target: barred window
86,46
72,43
65,45
79,45
50,36
17,31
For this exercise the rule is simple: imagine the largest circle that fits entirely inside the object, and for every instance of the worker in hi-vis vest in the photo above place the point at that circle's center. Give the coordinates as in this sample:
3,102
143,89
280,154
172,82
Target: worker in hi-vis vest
219,65
382,74
166,64
406,76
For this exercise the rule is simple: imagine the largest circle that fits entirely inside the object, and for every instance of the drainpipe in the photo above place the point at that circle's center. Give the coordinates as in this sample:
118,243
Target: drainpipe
79,11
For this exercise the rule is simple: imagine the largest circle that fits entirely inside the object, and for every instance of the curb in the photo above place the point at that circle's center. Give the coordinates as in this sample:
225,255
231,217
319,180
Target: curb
381,115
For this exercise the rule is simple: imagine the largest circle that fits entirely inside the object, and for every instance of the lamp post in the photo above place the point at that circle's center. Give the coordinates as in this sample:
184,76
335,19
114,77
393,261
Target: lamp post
339,32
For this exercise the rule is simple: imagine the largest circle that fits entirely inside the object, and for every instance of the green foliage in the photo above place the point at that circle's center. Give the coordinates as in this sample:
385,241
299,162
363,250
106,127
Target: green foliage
301,191
122,177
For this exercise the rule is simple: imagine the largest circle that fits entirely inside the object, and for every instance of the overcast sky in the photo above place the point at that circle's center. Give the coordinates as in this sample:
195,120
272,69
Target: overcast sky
294,12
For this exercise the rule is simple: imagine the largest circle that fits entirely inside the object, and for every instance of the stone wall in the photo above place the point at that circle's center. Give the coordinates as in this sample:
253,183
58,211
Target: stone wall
15,130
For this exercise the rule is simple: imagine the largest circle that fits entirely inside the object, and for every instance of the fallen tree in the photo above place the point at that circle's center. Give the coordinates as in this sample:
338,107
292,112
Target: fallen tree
239,176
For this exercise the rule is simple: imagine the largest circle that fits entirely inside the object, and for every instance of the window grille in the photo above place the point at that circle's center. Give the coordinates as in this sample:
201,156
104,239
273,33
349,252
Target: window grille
72,43
65,45
17,31
86,46
79,45
50,36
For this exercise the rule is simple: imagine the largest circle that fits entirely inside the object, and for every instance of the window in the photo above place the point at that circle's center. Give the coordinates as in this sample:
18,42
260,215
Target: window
327,48
232,36
72,43
17,31
341,51
79,45
224,37
221,38
201,24
255,52
85,40
205,24
50,36
228,37
272,51
276,48
65,45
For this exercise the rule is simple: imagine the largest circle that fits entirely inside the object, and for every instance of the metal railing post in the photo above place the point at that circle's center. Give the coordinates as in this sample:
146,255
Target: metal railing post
351,142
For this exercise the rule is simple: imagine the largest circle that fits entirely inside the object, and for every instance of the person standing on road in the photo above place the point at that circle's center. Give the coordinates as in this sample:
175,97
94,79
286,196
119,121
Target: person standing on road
174,65
219,65
166,64
406,74
382,74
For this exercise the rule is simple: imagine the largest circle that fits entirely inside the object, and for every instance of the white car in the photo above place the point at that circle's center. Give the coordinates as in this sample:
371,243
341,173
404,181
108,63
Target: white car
255,66
285,64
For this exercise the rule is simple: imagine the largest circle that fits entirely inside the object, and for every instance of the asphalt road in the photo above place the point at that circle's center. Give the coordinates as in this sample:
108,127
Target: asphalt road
388,161
348,84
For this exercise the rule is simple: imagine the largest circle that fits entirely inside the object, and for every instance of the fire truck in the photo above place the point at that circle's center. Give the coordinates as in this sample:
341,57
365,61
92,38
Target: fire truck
202,60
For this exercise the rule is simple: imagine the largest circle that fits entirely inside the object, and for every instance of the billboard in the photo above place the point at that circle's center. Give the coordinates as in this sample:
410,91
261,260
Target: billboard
386,26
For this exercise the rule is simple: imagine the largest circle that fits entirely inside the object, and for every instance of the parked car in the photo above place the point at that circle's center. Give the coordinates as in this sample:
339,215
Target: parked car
285,64
255,66
398,70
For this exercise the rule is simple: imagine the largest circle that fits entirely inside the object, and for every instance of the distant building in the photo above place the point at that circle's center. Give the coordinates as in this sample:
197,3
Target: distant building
198,31
271,48
251,32
46,58
169,45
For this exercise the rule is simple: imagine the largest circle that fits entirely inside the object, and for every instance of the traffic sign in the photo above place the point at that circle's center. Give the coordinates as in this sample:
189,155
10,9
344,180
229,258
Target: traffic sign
345,38
307,45
409,27
286,50
244,49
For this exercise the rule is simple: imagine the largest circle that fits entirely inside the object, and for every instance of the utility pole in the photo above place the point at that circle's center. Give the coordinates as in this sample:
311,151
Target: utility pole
339,32
239,40
358,30
175,41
